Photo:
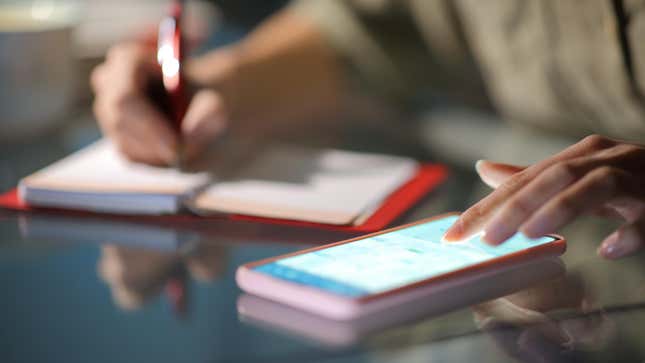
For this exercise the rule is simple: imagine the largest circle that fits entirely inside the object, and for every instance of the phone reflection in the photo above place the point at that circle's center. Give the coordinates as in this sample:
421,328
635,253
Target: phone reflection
331,333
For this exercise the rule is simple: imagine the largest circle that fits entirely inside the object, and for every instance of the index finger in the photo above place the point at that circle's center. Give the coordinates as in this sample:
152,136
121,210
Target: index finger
474,219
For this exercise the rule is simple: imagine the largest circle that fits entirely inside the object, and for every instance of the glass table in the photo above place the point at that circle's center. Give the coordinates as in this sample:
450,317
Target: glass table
89,289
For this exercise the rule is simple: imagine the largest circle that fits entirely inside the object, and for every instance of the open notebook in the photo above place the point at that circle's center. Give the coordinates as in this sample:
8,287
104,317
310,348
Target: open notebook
315,185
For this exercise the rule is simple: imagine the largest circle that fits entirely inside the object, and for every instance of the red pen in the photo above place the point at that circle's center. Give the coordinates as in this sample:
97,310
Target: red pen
170,53
177,293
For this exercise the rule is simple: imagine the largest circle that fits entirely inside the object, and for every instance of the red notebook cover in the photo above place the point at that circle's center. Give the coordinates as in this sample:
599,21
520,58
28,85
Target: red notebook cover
426,179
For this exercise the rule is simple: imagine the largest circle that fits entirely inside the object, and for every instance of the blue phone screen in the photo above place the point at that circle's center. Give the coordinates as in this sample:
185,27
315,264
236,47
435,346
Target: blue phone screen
391,260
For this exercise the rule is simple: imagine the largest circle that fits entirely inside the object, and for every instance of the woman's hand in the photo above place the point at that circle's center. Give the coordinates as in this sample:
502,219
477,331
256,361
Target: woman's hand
129,116
596,175
283,73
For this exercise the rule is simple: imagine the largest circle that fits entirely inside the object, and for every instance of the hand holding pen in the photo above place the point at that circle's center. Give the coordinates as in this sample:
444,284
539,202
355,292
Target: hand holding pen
142,105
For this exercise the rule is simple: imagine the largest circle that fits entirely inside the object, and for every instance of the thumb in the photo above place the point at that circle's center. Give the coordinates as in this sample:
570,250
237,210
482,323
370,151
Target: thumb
628,239
494,174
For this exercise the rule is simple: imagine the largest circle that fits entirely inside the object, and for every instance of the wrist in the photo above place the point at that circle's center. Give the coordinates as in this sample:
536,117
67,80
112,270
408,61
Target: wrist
214,68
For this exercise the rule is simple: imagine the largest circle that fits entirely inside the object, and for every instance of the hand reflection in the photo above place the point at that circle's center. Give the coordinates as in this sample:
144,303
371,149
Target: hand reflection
523,324
135,275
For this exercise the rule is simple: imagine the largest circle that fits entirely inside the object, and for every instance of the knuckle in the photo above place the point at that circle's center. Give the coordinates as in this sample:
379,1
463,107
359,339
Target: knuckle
596,142
96,77
475,212
605,172
122,101
607,177
565,170
513,183
567,204
519,206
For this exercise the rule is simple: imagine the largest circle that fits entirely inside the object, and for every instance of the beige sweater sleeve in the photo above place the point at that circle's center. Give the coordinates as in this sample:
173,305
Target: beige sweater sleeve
378,41
562,65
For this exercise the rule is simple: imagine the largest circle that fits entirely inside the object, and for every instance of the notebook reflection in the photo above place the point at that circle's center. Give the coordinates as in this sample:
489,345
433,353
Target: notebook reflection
70,229
165,235
259,311
138,261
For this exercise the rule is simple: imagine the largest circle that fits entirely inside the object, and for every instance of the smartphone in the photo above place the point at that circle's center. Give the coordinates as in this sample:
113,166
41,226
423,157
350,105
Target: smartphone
301,324
383,271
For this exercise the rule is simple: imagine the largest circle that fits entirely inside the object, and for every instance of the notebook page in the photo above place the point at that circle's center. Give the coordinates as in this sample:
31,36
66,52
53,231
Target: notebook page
325,186
99,168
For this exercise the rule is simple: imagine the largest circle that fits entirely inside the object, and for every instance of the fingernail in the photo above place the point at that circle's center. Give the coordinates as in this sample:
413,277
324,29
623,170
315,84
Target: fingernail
610,248
620,244
479,165
536,227
453,233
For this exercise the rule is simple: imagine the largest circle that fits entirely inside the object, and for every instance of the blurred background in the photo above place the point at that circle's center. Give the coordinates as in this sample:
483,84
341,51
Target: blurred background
63,40
48,49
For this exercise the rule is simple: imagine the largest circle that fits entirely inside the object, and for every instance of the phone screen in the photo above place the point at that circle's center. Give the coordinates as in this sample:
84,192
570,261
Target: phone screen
390,260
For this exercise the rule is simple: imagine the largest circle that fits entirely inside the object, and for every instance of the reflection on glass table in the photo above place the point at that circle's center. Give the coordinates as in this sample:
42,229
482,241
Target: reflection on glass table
140,260
68,229
554,321
162,235
135,275
593,313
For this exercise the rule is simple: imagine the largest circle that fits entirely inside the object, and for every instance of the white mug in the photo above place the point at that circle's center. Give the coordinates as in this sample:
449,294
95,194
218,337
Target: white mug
37,67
